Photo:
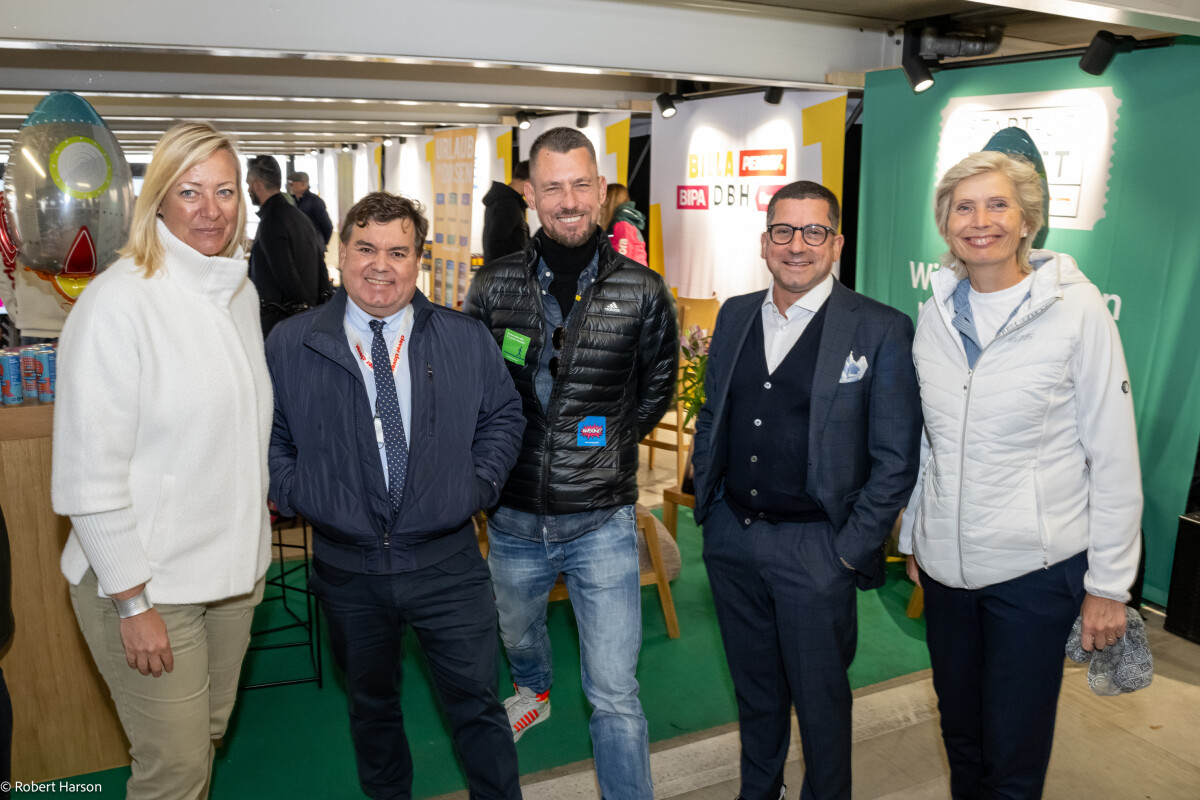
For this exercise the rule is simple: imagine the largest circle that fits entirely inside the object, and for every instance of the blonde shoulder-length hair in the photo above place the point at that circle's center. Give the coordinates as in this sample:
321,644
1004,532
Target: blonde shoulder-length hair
182,147
1028,190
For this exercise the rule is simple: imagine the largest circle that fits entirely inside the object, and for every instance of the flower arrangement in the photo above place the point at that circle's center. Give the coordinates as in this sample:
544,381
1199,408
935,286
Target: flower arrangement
693,347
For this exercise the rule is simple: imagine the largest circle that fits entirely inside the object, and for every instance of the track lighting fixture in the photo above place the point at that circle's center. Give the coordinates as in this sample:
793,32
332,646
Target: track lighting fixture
773,95
581,119
1103,49
522,120
917,71
666,105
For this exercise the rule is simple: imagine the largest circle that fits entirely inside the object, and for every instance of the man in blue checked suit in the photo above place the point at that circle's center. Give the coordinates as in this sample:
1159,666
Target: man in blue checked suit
396,420
805,452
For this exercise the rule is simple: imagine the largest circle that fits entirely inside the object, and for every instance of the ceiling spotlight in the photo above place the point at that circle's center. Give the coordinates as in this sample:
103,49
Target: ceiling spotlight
402,139
666,105
345,148
387,141
522,120
312,152
1103,49
581,119
773,95
916,69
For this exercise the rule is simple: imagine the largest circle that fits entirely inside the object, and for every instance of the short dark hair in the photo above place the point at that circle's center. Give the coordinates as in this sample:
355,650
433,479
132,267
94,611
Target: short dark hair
806,190
265,169
560,140
382,208
521,171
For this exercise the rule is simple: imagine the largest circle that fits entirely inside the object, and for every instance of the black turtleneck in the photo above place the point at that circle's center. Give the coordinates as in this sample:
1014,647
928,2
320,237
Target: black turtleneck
567,263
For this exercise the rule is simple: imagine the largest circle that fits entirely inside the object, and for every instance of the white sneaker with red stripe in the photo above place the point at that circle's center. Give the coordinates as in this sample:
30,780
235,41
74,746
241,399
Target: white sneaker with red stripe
525,709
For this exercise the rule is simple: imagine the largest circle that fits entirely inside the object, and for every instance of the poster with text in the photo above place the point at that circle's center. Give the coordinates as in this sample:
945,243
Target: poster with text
713,168
453,179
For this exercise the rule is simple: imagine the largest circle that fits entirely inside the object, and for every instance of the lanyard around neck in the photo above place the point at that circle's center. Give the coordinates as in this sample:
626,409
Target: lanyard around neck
406,324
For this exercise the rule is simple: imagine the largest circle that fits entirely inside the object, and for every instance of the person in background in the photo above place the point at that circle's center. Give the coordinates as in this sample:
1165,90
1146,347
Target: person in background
590,340
624,224
805,451
161,423
287,259
395,421
1028,508
311,204
505,229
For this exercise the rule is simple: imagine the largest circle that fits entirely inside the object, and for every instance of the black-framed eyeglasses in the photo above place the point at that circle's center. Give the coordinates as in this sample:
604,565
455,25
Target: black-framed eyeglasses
814,234
557,339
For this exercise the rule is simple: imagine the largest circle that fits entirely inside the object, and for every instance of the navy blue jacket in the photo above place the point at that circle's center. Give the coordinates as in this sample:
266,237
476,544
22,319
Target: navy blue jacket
466,430
864,436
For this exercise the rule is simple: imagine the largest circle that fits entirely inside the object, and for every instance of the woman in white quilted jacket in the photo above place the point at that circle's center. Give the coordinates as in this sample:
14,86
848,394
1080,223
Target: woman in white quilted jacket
1027,511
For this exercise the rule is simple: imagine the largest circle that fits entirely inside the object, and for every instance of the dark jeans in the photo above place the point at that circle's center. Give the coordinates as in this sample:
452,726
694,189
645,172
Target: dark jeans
786,609
450,607
997,656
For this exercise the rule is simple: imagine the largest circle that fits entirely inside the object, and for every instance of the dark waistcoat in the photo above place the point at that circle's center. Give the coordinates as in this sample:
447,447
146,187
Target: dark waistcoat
768,428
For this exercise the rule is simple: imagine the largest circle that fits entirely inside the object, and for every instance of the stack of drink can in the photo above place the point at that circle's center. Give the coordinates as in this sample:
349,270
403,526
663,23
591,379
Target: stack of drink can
27,374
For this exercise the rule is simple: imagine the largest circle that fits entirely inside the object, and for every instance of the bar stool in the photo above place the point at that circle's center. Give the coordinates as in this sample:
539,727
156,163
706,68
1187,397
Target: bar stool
298,603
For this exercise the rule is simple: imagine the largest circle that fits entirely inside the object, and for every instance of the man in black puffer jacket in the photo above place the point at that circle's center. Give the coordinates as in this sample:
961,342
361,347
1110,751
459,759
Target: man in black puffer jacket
590,340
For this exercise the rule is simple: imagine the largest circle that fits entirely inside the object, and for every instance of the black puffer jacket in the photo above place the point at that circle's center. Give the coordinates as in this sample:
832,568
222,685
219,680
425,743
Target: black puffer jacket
619,362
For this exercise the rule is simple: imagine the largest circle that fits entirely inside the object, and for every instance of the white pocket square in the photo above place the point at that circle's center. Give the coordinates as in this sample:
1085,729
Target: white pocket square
853,370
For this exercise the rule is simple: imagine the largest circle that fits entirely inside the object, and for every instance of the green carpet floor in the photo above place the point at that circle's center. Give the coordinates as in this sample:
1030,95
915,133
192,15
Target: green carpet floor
294,741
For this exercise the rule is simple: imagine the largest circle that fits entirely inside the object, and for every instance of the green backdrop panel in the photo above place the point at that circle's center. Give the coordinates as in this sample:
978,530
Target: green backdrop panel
1145,250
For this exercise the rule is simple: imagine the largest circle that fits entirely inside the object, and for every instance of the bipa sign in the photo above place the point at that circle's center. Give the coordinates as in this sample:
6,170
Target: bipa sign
692,197
756,163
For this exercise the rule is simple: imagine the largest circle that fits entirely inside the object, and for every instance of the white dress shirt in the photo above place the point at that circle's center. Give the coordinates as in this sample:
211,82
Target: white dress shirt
781,331
359,334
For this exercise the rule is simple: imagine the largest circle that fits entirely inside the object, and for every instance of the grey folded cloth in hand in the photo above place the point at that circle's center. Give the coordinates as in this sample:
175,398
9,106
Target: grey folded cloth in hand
1124,666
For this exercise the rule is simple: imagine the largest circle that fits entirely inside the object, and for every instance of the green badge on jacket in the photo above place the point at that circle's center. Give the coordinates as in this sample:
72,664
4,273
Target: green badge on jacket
516,345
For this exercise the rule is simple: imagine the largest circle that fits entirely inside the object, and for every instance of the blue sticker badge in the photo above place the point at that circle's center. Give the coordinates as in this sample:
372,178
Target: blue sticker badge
591,432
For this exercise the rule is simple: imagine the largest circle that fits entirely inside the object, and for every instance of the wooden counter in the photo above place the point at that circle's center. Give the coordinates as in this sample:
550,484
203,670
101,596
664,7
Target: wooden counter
64,722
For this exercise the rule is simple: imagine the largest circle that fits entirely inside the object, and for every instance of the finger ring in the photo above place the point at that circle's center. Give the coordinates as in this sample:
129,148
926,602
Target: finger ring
1111,640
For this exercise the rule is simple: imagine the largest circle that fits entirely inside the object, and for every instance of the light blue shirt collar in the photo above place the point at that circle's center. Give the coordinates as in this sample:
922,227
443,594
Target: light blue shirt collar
360,321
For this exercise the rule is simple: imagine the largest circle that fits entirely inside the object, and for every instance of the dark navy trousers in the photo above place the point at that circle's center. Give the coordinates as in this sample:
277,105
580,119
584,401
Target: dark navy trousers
450,607
786,609
997,656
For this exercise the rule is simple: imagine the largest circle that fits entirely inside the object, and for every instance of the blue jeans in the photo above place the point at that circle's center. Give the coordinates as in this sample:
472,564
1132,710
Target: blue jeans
602,577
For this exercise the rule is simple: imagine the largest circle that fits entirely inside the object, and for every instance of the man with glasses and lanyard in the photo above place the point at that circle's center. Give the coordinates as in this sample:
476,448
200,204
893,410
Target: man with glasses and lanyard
590,340
806,450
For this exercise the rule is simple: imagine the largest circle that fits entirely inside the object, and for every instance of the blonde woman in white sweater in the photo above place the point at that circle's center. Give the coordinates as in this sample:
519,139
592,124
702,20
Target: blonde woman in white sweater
160,438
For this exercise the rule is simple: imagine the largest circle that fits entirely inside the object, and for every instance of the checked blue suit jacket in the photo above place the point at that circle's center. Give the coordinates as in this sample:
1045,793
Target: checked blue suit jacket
864,435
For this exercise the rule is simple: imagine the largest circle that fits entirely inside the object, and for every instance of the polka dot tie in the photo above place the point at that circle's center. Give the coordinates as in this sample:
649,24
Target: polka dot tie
387,408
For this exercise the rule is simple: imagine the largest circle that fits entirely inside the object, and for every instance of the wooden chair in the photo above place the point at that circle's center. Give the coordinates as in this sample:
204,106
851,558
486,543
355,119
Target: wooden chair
658,558
673,498
691,311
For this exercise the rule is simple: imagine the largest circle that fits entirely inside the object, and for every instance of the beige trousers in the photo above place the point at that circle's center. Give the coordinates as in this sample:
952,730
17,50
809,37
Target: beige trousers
171,721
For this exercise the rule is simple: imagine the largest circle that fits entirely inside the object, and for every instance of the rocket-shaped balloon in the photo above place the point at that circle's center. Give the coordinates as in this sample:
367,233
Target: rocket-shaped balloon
68,191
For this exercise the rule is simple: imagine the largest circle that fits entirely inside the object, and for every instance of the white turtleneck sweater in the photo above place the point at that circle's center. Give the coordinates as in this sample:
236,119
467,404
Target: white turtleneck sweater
161,423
